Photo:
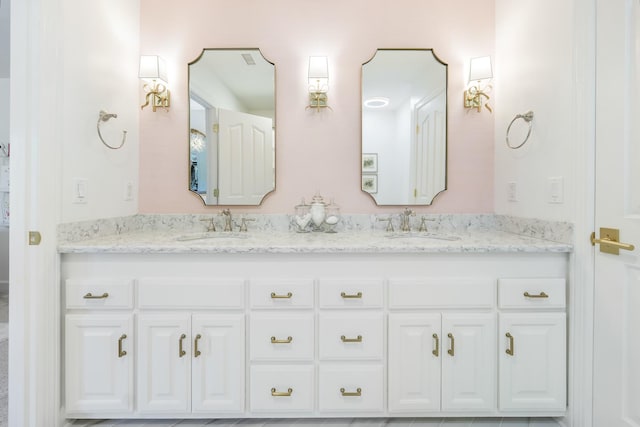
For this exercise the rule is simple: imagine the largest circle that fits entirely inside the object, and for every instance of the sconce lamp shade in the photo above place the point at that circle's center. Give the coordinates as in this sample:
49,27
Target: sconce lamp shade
153,67
480,69
318,71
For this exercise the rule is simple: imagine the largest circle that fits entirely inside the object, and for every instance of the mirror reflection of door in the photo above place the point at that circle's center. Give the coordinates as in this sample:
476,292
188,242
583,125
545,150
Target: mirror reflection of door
232,115
245,158
404,126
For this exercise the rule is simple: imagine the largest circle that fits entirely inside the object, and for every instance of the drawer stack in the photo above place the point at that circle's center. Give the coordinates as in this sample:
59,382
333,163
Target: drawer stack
282,346
351,346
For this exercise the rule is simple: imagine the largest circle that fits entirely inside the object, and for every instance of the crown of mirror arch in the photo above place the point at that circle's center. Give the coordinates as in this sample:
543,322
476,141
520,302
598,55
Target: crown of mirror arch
404,127
231,127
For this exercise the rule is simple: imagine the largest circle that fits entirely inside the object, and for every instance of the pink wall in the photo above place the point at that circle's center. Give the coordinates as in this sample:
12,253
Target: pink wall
316,151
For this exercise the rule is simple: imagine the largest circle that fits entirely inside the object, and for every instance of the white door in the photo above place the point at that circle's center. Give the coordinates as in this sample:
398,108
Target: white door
218,363
468,362
245,158
533,373
98,363
415,352
616,388
430,152
164,363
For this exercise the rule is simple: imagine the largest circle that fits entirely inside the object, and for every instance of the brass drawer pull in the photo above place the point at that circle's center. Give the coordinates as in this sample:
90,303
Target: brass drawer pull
436,351
540,295
356,339
510,349
196,352
181,352
285,296
91,296
274,340
452,349
276,393
356,393
121,352
346,295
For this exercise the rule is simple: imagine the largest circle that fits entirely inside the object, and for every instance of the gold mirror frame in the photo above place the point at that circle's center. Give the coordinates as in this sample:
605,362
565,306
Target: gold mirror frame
404,144
231,126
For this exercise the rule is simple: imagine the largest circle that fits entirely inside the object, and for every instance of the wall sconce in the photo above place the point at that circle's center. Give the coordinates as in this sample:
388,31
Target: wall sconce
154,69
479,70
318,82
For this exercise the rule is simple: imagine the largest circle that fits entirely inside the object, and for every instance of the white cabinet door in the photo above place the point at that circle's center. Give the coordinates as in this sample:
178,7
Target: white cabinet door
164,363
469,362
98,363
533,373
218,363
415,349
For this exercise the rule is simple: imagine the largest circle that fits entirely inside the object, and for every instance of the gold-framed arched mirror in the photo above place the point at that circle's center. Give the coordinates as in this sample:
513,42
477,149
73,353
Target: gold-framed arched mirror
404,127
231,126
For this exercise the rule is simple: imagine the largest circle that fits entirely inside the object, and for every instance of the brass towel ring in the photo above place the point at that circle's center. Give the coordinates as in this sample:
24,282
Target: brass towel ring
527,117
104,117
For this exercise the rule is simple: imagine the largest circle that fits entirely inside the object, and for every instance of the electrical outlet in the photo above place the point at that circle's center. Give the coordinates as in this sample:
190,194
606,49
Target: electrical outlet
555,189
512,191
128,191
80,191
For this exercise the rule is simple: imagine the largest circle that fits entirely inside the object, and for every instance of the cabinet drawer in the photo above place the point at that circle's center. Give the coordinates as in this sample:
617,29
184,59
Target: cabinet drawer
189,293
99,294
350,293
281,336
346,336
351,388
282,388
462,292
532,293
281,293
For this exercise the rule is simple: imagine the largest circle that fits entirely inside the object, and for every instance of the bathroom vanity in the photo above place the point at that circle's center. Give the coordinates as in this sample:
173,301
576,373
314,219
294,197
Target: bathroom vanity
353,324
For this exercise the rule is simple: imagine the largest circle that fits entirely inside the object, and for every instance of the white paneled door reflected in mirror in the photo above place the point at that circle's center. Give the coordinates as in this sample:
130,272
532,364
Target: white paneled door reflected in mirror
404,126
231,127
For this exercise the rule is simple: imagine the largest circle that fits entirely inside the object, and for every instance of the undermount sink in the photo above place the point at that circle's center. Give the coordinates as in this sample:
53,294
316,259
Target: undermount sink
211,235
421,235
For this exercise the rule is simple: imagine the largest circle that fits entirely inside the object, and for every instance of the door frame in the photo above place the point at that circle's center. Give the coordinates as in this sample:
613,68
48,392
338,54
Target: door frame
35,133
582,259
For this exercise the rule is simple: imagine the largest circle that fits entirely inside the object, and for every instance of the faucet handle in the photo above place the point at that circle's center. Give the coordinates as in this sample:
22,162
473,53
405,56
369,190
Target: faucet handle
243,223
211,226
423,223
389,224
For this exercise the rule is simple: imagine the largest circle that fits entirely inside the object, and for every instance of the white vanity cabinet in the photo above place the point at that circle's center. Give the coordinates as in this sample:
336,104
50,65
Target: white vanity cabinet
190,363
532,337
442,345
190,355
304,335
99,346
99,363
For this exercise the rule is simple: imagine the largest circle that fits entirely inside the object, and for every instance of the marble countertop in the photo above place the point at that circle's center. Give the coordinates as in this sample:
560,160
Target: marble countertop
360,233
166,241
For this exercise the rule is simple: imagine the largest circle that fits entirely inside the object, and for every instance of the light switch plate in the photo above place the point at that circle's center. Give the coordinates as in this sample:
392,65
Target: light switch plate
555,189
79,192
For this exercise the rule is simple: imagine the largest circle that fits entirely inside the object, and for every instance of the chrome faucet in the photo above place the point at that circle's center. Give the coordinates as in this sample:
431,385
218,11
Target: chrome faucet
228,220
405,223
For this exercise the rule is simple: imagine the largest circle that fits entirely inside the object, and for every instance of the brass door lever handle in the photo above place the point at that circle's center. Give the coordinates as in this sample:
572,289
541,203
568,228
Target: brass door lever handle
609,241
